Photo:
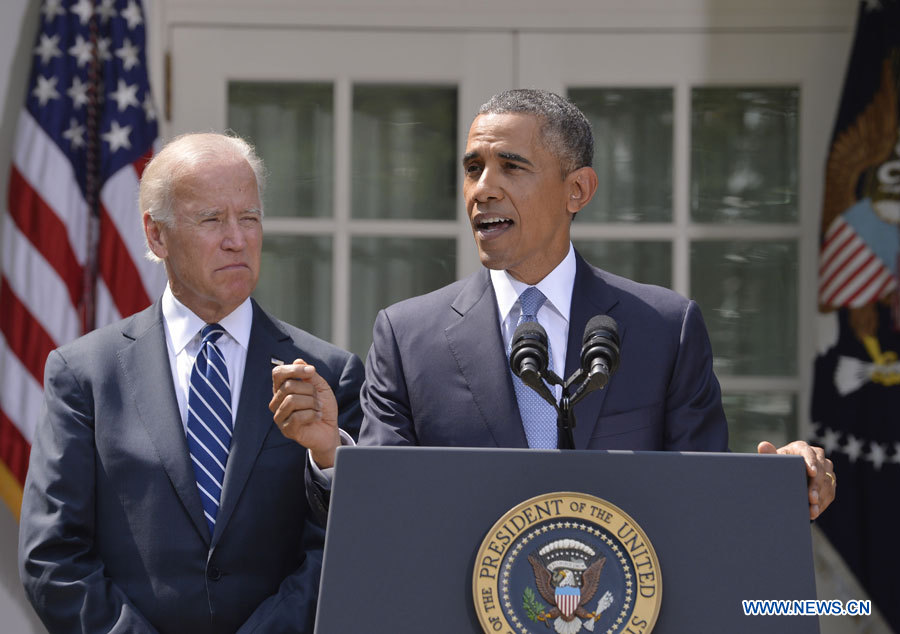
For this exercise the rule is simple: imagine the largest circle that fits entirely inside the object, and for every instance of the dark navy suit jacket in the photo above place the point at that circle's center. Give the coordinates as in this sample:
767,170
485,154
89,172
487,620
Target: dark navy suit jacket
112,533
437,373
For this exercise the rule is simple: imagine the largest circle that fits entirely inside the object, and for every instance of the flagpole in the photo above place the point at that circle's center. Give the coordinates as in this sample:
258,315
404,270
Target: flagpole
92,179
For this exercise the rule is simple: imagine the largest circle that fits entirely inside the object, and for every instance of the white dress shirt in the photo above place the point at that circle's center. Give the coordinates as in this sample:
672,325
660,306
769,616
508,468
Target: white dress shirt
183,343
553,315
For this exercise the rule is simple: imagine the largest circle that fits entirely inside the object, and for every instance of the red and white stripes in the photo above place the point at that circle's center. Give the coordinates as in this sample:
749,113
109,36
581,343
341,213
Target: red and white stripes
43,251
850,273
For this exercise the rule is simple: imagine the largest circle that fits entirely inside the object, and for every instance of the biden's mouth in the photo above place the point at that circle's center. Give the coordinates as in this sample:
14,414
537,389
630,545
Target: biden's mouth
236,266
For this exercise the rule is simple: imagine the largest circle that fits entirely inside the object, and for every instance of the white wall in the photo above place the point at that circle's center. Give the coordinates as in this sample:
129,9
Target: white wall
17,18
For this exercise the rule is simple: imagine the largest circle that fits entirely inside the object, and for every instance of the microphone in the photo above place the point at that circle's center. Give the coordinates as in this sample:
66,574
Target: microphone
529,357
599,351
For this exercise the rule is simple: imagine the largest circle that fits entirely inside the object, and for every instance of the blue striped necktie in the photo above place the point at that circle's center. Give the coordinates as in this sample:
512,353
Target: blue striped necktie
538,416
209,421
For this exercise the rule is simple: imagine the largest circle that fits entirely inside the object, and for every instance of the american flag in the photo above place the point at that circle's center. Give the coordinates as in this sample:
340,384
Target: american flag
851,272
85,133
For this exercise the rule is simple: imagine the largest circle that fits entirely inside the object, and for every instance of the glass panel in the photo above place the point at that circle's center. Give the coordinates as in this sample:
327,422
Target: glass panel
756,417
292,127
748,294
384,271
295,282
404,152
744,154
647,262
632,152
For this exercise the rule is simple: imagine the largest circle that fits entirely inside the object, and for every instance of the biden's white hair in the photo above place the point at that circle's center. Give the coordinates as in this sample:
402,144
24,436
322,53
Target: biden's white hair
180,157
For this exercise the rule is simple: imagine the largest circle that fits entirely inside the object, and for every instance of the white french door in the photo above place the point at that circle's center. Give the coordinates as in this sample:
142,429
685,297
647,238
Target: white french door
711,149
361,133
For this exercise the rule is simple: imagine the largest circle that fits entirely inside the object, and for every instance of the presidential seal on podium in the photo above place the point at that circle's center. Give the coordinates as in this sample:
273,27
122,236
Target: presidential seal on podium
566,562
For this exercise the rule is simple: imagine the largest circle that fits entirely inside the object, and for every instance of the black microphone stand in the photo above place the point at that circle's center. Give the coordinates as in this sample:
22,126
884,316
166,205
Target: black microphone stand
565,409
565,422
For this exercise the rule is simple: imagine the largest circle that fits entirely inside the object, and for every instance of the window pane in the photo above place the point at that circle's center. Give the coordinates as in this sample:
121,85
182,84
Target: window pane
387,270
647,262
632,152
404,152
744,154
748,294
295,282
292,127
756,417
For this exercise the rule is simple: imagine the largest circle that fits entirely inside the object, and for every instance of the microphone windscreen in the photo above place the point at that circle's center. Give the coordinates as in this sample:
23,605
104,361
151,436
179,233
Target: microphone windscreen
532,328
599,323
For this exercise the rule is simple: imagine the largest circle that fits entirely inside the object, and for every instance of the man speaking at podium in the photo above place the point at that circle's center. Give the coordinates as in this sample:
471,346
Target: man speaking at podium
438,372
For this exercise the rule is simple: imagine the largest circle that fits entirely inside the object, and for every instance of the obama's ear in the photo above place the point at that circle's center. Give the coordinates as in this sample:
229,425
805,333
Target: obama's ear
581,186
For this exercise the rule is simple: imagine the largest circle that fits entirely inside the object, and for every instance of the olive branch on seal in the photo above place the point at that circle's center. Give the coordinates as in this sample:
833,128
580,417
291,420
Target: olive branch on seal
534,609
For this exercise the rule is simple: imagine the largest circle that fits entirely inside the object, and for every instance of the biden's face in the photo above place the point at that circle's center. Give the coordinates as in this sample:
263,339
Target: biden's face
212,248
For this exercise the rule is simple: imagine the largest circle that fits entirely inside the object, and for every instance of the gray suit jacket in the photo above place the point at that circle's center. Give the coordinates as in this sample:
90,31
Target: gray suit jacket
437,373
112,534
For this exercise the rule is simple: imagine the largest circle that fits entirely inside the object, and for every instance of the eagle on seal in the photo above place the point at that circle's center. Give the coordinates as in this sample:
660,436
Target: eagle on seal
561,590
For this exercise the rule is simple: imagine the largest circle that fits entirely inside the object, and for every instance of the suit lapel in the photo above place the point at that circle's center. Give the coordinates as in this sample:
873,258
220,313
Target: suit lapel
147,375
478,348
253,420
590,296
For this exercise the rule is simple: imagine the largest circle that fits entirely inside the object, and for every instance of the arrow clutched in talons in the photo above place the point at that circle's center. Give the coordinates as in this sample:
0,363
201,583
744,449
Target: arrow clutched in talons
604,602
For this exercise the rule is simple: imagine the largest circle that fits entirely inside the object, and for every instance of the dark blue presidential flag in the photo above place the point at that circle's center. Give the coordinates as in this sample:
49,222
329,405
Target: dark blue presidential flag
856,392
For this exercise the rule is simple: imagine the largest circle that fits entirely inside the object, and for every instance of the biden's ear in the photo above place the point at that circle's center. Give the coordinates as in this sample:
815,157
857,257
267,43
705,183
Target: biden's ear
581,185
156,238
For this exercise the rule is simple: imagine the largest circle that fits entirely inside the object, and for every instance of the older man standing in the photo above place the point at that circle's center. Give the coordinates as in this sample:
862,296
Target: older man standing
438,371
160,495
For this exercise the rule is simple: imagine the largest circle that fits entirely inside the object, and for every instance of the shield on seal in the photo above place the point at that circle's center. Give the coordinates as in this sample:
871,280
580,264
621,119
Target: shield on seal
567,598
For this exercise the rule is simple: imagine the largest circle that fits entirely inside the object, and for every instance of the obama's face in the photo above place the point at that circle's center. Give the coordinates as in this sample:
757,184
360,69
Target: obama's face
518,200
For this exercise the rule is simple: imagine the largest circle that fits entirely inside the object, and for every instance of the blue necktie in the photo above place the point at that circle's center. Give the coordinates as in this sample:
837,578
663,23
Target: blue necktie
209,421
538,416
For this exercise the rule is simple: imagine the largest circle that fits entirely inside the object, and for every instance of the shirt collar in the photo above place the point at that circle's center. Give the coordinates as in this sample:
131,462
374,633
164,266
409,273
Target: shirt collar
184,325
556,286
